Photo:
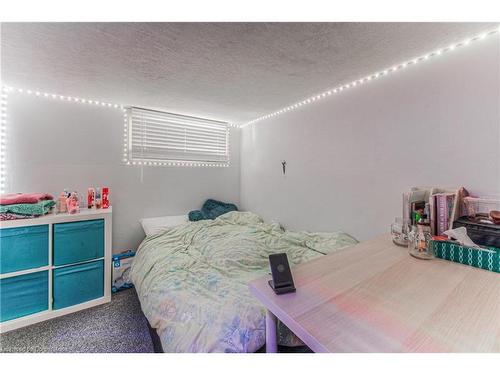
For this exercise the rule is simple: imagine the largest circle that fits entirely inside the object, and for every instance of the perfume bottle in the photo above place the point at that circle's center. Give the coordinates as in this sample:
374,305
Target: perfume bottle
90,197
97,198
62,207
73,203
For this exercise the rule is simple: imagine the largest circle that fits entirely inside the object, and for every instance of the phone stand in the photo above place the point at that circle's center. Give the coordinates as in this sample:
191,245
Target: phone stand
282,289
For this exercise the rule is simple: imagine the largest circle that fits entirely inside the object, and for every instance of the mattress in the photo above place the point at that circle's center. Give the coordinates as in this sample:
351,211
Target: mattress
192,280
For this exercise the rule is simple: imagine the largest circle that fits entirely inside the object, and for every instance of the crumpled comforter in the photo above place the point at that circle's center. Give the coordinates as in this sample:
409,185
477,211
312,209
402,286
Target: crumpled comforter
192,280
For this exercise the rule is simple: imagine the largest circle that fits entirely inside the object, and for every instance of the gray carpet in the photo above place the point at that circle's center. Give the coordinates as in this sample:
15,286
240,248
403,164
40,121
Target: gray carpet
116,327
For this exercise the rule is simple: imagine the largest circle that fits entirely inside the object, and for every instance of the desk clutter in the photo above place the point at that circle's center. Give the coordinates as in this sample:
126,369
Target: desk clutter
448,223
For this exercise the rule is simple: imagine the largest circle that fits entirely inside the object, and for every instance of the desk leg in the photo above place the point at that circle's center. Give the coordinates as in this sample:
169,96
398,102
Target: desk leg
271,337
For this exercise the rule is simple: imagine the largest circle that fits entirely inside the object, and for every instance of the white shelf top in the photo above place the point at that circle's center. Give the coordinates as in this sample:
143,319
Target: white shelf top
84,214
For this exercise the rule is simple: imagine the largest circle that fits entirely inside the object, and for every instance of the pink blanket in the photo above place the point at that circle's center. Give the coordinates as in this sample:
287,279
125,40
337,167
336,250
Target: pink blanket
24,198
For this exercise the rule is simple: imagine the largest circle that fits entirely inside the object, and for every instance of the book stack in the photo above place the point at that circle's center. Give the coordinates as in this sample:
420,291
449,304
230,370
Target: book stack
445,206
437,205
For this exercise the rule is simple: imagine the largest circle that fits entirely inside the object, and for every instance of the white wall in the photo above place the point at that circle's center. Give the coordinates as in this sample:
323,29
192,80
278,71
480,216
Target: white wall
350,157
53,145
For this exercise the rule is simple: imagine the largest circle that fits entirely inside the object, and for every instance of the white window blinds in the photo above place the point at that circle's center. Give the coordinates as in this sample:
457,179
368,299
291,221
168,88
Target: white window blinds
161,138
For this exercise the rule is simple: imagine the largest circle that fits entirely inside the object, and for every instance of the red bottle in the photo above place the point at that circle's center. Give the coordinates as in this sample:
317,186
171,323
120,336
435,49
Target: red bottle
90,198
105,197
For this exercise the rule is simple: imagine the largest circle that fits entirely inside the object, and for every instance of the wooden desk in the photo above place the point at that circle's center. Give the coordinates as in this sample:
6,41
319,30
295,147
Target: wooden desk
375,297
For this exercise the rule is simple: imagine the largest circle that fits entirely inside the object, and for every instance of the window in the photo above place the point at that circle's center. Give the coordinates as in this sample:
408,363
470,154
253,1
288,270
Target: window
161,138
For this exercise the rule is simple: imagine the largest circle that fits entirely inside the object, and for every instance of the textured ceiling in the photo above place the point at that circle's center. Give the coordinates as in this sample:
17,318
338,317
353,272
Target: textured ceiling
229,71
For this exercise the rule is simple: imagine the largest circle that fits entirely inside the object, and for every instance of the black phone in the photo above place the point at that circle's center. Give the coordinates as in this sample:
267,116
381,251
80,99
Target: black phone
282,281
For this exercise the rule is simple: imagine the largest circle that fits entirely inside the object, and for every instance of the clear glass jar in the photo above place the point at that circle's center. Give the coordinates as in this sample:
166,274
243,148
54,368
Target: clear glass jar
419,242
399,231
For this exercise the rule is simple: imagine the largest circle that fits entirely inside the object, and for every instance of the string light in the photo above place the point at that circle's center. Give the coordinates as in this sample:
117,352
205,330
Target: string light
6,90
382,73
63,97
126,159
3,136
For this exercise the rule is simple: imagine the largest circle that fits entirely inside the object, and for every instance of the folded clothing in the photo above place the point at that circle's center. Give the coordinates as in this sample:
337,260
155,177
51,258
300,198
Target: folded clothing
33,209
18,198
8,216
211,210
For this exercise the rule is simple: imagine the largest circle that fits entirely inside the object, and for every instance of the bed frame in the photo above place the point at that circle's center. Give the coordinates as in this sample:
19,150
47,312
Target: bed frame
281,349
155,339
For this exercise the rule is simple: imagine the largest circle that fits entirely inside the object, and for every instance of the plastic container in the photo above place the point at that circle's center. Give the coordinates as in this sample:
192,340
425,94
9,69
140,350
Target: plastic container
480,207
121,268
483,234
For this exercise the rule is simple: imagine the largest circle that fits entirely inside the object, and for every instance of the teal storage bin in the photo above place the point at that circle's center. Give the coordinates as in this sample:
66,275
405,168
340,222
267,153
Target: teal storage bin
24,248
78,241
23,295
77,284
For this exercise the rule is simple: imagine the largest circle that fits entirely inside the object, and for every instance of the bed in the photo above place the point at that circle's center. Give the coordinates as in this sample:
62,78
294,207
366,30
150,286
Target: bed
192,280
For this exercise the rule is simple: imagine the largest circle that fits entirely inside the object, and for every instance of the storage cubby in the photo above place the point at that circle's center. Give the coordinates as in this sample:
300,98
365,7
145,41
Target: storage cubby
24,295
76,284
24,248
53,265
78,241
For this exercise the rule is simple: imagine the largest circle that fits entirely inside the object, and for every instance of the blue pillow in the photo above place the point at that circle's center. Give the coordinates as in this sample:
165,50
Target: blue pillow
195,215
211,209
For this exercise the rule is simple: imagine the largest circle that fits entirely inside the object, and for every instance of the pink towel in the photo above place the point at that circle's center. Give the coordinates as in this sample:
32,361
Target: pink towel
17,198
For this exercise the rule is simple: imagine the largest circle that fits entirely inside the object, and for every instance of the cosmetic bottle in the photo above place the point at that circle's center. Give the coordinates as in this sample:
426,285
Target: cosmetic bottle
97,198
105,197
73,203
90,197
62,207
